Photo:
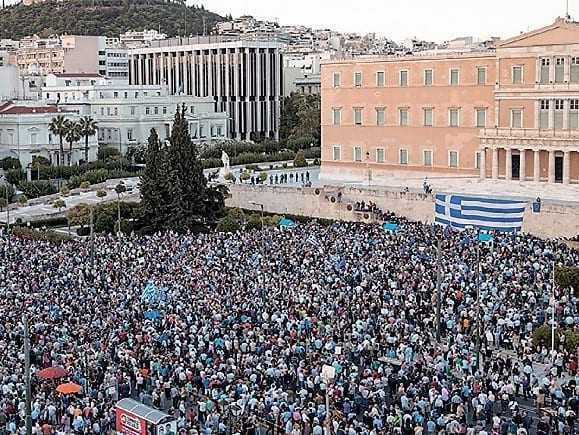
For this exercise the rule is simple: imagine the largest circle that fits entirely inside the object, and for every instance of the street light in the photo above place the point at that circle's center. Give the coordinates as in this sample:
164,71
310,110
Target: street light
119,188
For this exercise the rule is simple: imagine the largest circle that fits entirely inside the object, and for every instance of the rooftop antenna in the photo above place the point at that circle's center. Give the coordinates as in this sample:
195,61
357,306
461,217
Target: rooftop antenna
567,11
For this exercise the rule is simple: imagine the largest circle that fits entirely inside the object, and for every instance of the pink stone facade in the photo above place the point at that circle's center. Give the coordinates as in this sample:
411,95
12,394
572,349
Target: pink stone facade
511,113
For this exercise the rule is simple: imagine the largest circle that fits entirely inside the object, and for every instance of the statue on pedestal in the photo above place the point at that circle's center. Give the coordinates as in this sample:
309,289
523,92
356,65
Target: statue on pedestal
225,170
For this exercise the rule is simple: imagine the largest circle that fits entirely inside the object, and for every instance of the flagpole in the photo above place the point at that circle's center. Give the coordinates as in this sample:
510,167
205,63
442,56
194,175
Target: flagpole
478,316
553,314
438,289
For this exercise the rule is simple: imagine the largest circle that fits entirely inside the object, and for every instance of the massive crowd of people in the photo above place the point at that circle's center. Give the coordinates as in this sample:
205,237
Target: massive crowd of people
249,320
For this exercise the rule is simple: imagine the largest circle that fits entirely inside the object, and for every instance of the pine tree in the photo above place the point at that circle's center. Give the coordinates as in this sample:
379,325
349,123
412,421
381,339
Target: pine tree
153,185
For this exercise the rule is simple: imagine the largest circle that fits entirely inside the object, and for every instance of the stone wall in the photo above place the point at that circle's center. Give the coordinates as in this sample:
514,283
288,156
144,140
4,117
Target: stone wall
555,220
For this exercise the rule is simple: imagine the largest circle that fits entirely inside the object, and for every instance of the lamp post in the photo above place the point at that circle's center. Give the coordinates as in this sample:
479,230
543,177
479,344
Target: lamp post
438,289
27,375
120,189
368,170
478,302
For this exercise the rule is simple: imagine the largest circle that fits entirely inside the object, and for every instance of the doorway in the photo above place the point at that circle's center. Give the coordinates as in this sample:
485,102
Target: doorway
558,169
516,166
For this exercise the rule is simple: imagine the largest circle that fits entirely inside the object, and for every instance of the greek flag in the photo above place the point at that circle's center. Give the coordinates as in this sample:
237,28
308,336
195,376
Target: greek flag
457,211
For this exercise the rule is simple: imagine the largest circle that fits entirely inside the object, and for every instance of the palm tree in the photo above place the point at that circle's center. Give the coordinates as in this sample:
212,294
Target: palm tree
73,134
58,127
88,128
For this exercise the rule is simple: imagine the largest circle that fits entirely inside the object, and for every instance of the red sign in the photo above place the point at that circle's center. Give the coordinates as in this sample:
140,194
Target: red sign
129,424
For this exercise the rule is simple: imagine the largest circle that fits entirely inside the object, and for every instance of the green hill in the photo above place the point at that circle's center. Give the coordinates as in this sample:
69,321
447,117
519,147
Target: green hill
104,17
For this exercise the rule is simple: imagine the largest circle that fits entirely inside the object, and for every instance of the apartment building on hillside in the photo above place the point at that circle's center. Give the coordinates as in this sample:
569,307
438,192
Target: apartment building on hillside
510,113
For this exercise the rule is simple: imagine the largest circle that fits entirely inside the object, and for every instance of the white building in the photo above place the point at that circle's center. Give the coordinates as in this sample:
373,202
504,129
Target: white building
125,114
24,134
16,86
132,39
243,78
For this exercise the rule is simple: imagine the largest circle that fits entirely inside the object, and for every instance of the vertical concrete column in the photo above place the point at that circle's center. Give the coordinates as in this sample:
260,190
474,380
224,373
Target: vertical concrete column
509,164
194,75
218,77
247,101
227,89
258,88
138,76
178,82
267,91
169,72
132,69
186,69
210,60
566,167
202,73
495,167
162,69
523,165
537,166
147,72
551,113
155,68
483,164
551,166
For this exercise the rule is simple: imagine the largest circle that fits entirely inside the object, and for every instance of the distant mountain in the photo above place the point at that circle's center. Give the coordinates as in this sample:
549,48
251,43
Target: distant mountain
104,17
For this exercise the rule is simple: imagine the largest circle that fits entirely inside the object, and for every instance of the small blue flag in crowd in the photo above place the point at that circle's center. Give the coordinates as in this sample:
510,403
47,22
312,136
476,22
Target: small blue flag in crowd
153,294
460,212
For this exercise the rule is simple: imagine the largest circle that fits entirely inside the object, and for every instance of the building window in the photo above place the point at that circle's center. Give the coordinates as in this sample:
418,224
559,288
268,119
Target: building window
404,78
428,117
517,75
481,75
164,110
116,111
477,160
544,114
358,154
428,77
380,155
544,72
559,69
337,80
558,119
454,77
403,116
108,111
147,110
427,157
403,157
336,152
133,110
481,118
516,118
337,116
453,159
574,114
357,115
358,79
129,134
156,110
380,79
453,120
574,76
115,94
380,116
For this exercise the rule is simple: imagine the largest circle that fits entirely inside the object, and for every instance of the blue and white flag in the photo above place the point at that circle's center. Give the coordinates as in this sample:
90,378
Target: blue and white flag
458,211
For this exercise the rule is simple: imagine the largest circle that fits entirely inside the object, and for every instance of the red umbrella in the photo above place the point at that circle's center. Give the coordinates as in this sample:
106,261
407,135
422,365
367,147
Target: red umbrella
68,388
52,373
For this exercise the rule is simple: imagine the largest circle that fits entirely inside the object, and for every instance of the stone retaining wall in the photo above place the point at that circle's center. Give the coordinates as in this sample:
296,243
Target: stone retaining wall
555,220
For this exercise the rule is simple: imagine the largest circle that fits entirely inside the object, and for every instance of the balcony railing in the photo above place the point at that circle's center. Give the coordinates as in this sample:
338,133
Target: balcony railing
529,133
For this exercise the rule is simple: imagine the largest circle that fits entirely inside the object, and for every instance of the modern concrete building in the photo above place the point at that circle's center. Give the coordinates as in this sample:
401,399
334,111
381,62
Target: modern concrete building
510,113
125,114
243,78
24,133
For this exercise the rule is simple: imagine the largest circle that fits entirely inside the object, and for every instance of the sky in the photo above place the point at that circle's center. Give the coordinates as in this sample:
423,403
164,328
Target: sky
434,20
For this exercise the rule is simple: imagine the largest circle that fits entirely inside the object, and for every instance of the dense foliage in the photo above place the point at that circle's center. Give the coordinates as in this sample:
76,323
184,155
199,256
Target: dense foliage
568,277
174,191
104,17
300,124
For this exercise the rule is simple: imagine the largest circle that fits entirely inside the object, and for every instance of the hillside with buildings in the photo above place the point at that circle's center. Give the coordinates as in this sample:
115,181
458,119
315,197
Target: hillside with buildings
109,18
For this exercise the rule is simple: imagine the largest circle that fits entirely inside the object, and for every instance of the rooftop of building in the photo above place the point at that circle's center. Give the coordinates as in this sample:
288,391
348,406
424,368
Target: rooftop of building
11,108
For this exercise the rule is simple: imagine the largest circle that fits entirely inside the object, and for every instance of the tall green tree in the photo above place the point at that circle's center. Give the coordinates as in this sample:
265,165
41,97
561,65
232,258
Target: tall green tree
58,127
88,128
72,135
154,186
300,118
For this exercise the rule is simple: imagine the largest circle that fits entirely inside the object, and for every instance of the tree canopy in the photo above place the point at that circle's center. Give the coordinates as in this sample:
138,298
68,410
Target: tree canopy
104,17
300,119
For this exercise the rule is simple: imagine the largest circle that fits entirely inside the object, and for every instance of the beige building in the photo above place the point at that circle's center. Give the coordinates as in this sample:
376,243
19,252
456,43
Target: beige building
509,113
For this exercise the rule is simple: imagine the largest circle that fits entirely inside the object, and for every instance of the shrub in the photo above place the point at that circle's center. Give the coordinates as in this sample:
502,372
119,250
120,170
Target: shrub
101,193
4,188
253,221
15,176
59,204
263,176
10,163
313,153
84,185
227,225
108,153
251,167
104,223
273,220
23,200
300,143
3,203
300,160
568,277
75,182
237,214
542,337
79,215
83,231
49,222
65,191
95,176
244,175
36,189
